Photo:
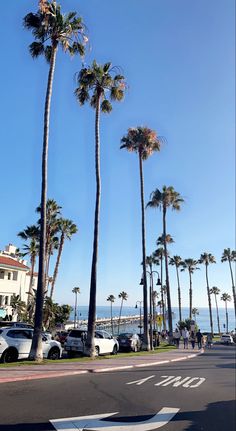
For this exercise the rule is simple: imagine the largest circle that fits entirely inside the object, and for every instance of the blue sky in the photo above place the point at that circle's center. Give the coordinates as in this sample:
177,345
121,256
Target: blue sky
179,62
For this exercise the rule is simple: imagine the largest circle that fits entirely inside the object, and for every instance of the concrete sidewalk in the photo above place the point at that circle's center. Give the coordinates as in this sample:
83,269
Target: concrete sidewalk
31,372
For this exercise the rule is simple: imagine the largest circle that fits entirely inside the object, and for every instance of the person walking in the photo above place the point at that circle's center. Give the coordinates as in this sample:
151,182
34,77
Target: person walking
199,338
185,335
177,336
209,340
192,339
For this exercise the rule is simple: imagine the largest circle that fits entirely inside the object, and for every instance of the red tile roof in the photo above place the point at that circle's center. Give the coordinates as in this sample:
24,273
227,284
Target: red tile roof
8,261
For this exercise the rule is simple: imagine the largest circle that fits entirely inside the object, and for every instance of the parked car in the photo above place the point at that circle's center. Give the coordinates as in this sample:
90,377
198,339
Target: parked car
15,343
104,342
226,339
129,341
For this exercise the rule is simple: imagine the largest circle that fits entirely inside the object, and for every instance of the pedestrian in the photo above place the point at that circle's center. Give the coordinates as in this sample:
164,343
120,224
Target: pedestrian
199,338
185,335
177,336
209,340
192,339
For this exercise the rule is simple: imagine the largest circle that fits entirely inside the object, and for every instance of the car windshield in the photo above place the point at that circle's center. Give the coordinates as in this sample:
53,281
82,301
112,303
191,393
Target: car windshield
126,334
76,334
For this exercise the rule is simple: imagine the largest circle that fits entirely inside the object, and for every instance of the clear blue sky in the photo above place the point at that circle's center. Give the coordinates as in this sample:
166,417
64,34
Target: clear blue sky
178,59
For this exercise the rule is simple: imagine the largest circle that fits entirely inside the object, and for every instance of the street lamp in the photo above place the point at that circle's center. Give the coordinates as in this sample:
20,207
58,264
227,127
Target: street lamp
75,290
140,315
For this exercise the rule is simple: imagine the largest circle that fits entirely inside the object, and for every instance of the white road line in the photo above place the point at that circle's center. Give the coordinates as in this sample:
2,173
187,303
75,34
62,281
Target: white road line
187,384
101,370
179,359
166,378
140,381
151,364
94,423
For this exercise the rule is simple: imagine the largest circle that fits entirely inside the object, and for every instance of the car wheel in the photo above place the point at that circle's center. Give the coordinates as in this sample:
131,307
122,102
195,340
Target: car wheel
10,355
96,351
115,350
54,353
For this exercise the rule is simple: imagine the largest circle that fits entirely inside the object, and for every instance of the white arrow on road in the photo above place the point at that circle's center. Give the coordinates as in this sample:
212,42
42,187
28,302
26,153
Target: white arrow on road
94,422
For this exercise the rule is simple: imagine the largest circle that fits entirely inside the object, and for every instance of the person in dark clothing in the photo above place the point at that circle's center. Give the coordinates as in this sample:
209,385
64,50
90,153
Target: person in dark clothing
199,338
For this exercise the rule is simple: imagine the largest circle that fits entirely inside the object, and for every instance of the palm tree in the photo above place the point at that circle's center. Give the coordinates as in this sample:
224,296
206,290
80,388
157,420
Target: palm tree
66,228
123,296
75,290
195,313
177,262
31,234
190,265
226,298
230,256
18,306
97,84
144,142
50,29
111,298
167,198
150,261
215,291
159,253
206,259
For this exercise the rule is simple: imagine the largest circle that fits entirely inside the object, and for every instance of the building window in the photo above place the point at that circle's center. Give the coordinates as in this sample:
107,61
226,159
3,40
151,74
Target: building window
1,274
15,275
6,300
9,276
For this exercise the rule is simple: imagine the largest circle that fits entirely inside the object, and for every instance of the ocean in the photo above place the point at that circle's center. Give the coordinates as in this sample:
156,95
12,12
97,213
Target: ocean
202,319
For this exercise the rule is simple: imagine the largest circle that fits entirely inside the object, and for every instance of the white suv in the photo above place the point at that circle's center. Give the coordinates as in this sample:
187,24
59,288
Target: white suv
226,339
15,343
104,342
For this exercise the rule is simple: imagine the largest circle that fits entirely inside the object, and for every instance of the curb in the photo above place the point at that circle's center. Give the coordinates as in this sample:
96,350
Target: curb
54,374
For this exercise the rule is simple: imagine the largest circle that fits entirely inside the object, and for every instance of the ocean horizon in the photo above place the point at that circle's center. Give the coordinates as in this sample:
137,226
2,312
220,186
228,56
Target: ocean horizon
202,320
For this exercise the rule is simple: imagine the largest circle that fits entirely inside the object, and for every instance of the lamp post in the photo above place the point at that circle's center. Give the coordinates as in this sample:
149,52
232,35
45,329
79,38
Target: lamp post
151,301
140,315
75,290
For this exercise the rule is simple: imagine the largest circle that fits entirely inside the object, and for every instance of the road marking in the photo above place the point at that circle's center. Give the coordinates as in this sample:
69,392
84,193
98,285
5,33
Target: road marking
201,380
180,381
94,422
140,381
150,364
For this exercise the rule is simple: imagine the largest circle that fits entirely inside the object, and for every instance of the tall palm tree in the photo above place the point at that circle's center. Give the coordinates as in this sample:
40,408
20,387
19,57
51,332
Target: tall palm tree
190,265
150,261
66,228
159,253
230,256
111,299
195,313
50,29
123,296
177,262
100,85
226,298
144,142
206,259
215,291
165,199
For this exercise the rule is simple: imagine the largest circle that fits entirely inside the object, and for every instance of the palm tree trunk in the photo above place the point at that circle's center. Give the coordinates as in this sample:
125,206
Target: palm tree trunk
233,286
167,278
36,347
121,305
190,296
209,301
62,240
145,295
179,293
111,320
93,280
217,312
227,318
162,296
30,296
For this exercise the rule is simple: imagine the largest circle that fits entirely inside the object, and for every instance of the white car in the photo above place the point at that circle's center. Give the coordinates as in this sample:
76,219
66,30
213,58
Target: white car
104,342
226,339
15,343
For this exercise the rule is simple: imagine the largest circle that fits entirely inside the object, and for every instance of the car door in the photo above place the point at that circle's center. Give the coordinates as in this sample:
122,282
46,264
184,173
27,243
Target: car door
21,339
107,342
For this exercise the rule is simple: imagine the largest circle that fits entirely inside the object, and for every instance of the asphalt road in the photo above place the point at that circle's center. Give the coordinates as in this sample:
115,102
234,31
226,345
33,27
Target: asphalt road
203,389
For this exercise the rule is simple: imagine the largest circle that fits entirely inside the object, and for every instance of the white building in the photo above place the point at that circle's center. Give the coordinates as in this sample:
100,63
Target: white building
14,279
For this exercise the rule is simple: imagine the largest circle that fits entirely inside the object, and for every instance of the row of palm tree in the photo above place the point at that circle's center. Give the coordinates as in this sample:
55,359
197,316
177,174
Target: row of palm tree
58,229
191,265
111,298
